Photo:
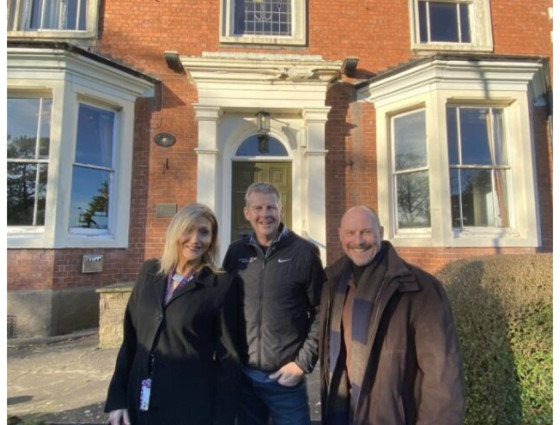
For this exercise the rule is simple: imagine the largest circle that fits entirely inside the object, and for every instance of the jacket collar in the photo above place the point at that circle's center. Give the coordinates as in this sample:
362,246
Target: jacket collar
397,270
202,278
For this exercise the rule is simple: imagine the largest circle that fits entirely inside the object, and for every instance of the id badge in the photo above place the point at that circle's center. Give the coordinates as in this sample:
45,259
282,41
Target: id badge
145,388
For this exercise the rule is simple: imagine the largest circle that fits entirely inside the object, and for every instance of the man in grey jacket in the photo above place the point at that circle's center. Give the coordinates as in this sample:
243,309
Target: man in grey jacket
389,351
281,276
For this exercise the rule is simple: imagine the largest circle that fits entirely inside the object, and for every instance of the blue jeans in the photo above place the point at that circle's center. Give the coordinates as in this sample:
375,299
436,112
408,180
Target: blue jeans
263,401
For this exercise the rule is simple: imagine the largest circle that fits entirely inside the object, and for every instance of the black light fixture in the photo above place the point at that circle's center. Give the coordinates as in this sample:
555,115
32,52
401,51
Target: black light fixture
164,140
263,127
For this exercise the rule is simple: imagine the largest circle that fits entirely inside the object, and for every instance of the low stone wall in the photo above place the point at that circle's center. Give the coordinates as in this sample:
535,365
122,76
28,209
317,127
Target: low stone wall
112,305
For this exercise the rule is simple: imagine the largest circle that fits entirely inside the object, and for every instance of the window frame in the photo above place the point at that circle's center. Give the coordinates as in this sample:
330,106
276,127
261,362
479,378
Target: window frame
112,170
35,160
480,26
460,166
80,79
299,27
90,32
396,173
516,86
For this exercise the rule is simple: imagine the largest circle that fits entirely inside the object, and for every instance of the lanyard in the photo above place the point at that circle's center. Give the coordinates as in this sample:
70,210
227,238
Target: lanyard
176,277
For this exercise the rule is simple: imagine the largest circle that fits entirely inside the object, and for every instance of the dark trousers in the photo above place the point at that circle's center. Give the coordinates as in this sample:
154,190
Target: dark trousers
261,402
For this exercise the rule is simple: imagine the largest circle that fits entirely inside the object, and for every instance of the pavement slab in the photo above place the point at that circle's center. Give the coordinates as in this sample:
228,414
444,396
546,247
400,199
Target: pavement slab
64,380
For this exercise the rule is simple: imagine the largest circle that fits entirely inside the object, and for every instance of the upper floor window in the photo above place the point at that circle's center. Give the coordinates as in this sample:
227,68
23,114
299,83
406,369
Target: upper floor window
29,124
478,167
53,18
444,21
263,21
451,25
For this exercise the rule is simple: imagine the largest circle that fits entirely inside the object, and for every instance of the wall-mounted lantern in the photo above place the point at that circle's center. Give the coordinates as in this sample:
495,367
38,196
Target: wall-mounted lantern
263,127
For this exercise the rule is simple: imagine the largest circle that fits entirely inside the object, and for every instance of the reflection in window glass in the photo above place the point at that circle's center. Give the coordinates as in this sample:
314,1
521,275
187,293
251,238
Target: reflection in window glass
478,177
444,21
261,146
34,15
92,171
95,136
28,140
411,170
263,17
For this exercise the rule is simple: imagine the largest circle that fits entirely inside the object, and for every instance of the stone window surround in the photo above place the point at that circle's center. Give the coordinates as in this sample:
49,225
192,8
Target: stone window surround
516,85
70,78
480,25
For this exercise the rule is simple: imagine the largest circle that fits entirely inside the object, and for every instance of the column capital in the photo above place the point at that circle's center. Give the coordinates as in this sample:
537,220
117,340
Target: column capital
207,112
316,115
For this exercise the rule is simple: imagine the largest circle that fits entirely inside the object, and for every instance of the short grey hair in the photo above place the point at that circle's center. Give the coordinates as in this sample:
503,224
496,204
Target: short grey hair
262,187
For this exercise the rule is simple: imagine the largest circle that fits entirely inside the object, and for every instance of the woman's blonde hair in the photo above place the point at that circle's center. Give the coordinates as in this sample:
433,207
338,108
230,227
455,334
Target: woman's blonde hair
180,223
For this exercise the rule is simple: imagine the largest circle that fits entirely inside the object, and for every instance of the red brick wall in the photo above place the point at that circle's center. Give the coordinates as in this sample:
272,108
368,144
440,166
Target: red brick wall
378,32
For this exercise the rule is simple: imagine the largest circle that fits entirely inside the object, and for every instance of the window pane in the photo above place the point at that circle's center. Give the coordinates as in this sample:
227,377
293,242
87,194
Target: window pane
500,146
475,149
452,140
455,184
413,197
27,192
477,199
502,215
25,118
262,17
89,206
410,141
423,21
94,145
443,22
251,147
465,26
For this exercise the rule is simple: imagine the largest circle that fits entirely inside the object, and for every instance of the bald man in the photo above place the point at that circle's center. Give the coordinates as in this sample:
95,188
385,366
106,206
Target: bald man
389,351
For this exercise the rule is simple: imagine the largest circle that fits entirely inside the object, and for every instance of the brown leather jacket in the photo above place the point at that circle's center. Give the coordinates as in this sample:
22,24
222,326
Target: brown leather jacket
414,374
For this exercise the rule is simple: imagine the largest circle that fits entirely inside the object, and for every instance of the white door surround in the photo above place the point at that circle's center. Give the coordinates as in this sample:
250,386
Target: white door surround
232,88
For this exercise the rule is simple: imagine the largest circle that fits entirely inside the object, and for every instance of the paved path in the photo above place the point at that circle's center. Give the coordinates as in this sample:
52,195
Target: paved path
64,381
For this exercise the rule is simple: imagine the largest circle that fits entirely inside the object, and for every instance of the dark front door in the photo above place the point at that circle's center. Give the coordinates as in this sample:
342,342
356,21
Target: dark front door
244,174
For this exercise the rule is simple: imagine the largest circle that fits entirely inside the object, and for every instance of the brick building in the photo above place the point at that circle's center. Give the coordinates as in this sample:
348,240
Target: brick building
435,113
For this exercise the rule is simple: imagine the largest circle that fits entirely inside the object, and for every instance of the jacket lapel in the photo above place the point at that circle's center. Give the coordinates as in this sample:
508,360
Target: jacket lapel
201,279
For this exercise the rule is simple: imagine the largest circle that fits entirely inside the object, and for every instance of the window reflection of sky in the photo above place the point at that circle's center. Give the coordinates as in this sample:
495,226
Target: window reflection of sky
22,119
95,136
410,141
250,147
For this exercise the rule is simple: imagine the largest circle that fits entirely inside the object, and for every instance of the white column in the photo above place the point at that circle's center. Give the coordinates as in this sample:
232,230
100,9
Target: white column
208,187
314,192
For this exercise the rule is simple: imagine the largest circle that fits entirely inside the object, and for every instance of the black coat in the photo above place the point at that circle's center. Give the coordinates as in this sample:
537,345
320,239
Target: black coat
189,346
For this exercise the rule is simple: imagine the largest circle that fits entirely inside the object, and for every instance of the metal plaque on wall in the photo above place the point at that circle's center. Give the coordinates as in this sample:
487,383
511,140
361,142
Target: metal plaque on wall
92,263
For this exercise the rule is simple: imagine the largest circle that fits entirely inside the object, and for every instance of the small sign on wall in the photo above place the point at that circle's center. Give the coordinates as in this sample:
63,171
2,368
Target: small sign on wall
166,210
92,263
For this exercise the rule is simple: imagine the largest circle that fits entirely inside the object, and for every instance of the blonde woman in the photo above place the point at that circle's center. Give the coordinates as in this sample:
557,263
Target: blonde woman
178,363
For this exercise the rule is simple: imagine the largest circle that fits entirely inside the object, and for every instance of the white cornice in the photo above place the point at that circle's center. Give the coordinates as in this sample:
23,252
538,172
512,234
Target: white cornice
260,68
40,63
271,81
456,75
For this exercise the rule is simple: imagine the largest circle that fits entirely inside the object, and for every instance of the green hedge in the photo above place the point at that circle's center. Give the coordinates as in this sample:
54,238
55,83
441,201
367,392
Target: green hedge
502,307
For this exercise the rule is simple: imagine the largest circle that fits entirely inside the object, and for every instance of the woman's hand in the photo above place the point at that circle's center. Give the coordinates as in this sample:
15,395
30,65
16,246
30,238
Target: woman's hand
119,417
